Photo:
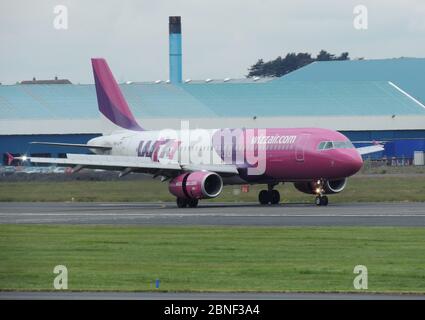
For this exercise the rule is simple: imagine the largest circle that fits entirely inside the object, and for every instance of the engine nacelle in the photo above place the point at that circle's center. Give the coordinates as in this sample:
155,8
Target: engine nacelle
196,185
335,186
329,186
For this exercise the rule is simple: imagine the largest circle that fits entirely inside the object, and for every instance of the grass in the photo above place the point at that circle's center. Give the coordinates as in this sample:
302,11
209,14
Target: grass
374,168
359,189
212,258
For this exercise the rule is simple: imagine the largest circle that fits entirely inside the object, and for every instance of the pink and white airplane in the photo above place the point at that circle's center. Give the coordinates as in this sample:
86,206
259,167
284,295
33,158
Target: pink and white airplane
198,163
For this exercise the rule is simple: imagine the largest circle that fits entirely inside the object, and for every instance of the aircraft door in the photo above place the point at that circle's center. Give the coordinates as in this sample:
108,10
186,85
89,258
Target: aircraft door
300,146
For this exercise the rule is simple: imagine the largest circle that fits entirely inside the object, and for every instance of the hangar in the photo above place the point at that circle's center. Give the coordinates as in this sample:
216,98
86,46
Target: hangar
367,100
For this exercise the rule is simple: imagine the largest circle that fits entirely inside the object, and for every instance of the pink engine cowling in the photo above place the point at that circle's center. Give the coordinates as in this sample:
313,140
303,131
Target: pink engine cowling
196,185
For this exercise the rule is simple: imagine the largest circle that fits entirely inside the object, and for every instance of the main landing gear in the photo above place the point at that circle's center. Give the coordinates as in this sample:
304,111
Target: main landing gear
269,196
183,203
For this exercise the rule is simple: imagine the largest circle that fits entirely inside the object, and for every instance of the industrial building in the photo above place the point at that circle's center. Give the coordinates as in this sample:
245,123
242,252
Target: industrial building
367,100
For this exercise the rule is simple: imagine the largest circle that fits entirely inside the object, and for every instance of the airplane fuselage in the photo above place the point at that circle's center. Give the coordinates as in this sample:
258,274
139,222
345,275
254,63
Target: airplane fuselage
199,162
273,154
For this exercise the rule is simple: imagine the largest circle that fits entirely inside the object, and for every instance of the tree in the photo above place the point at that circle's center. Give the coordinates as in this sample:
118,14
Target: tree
257,67
292,61
325,56
343,56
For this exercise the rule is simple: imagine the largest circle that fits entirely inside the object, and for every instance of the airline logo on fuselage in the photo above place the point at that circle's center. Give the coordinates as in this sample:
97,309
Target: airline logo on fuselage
273,139
152,148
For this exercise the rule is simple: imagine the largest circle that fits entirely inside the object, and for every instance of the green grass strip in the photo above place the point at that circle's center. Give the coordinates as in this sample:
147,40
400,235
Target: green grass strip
212,258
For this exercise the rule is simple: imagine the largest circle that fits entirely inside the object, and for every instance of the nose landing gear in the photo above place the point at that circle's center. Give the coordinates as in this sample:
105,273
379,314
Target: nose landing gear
320,200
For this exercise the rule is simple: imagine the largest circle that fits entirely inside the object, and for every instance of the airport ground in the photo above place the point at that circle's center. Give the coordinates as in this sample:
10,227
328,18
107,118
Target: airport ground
295,247
86,187
201,258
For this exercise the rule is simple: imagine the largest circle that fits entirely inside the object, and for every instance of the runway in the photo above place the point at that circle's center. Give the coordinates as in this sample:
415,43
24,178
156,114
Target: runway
356,214
61,295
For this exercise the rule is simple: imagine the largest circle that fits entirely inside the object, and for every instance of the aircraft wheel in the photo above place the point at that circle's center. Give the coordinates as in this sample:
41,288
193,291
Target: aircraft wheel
264,197
321,200
181,203
193,203
275,197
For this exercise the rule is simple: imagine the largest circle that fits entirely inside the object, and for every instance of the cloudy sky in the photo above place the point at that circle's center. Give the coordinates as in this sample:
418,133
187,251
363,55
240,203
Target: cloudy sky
221,38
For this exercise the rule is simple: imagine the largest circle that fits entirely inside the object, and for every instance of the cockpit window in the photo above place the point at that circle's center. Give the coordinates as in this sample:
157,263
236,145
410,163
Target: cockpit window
326,145
343,145
321,145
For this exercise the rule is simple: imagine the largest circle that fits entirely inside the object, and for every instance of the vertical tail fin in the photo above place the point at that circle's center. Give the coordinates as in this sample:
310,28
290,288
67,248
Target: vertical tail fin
110,99
10,158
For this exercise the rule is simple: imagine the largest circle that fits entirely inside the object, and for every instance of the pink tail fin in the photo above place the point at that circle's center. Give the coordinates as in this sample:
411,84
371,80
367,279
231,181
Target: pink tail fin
10,158
110,99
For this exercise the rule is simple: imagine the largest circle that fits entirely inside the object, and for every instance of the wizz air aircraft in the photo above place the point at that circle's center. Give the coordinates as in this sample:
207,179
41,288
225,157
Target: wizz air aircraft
198,163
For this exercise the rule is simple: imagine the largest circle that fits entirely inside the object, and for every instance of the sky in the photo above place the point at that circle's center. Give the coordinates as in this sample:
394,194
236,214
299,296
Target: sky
221,38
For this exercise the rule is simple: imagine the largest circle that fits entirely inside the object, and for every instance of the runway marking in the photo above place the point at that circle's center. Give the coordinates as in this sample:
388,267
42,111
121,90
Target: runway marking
394,214
17,214
133,205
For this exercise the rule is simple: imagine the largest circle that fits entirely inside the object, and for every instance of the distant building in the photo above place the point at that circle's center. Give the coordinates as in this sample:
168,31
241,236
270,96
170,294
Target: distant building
367,100
53,81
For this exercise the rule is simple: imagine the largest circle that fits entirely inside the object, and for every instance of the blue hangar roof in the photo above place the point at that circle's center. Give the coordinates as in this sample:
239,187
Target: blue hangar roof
367,87
407,73
212,100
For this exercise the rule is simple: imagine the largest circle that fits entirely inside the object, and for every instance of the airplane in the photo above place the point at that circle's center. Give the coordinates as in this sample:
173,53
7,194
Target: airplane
317,161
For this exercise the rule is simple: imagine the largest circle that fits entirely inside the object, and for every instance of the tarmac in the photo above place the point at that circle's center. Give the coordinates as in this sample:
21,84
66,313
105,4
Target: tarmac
62,295
220,214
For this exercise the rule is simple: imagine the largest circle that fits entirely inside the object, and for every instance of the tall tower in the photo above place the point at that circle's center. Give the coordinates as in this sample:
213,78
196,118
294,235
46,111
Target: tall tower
175,45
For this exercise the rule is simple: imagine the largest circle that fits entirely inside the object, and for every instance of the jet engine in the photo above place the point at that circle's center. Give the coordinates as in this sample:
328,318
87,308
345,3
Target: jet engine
196,185
328,186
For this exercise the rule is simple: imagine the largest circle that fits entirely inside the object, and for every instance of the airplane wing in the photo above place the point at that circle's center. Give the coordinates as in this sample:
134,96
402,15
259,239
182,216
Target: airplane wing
131,164
75,145
370,149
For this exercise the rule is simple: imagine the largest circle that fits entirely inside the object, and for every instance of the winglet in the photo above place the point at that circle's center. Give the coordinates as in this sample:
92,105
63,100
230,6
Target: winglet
110,99
10,158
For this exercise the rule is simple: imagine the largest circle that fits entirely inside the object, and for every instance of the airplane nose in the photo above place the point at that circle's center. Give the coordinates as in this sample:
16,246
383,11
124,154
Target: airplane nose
354,162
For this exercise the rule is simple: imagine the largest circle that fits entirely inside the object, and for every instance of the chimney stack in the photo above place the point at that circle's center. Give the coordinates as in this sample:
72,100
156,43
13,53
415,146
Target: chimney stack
175,46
